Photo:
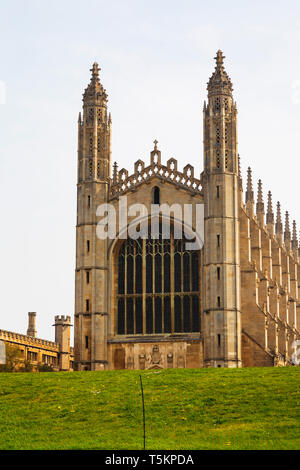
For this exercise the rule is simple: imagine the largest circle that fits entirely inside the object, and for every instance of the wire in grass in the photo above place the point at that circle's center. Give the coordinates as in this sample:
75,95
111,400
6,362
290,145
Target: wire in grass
144,427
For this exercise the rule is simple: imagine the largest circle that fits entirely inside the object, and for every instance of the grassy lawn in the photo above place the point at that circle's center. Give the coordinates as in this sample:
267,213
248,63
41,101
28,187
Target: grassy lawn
251,408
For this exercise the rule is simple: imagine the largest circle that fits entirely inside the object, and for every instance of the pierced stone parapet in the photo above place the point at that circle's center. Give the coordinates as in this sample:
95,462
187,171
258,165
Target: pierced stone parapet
169,173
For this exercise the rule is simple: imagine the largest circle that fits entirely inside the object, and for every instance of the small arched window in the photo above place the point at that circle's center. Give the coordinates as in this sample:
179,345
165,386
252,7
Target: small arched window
156,195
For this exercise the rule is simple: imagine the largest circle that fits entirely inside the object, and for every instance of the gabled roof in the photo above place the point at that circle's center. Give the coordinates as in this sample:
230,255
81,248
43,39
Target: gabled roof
123,183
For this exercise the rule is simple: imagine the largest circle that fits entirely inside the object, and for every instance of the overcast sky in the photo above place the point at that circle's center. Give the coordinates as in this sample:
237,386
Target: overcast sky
156,58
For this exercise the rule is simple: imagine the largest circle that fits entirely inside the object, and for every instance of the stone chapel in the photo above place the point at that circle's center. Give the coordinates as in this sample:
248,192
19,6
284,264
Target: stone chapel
151,302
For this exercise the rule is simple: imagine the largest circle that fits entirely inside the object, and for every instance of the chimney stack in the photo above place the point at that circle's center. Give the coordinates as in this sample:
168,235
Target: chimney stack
31,331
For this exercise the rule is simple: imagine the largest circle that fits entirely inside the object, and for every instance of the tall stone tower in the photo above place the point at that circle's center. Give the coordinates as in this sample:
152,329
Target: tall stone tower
94,148
221,181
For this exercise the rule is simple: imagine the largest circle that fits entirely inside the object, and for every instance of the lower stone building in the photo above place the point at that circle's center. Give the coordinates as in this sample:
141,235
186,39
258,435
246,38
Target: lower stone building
58,355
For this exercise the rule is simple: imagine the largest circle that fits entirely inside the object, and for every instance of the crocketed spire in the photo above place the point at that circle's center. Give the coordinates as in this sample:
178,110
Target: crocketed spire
295,239
278,225
115,173
219,82
287,232
270,213
95,91
260,207
249,191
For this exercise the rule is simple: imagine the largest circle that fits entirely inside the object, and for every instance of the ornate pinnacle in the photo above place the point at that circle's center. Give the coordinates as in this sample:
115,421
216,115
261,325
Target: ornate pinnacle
115,173
219,82
249,191
295,239
278,225
270,213
95,91
287,232
260,207
155,144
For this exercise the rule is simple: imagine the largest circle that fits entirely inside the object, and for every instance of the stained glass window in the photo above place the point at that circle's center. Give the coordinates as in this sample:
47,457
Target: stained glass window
158,287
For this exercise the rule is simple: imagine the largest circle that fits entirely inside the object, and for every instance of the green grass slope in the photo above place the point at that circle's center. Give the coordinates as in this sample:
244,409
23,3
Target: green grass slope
251,408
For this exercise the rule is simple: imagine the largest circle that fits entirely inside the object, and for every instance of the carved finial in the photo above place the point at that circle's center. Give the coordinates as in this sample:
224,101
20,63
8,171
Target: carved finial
79,118
109,118
219,58
249,192
95,71
270,213
295,239
95,91
260,207
155,144
278,225
115,173
287,232
219,82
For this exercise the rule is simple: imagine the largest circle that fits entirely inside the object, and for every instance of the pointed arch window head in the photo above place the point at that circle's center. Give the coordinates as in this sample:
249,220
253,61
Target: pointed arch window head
156,195
159,287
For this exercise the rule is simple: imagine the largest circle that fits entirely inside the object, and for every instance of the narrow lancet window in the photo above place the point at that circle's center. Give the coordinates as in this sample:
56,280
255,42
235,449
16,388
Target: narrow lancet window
156,195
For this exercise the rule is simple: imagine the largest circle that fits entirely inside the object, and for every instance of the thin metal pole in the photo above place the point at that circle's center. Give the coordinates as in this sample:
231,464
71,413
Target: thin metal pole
144,428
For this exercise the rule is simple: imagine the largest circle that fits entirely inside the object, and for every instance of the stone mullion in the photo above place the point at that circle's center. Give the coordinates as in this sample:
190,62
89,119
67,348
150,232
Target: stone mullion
172,280
200,280
162,289
191,283
144,285
125,290
190,296
153,286
181,286
181,308
134,285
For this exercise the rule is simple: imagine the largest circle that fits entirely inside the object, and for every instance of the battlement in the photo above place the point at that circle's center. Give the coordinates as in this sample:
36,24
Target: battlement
25,339
62,319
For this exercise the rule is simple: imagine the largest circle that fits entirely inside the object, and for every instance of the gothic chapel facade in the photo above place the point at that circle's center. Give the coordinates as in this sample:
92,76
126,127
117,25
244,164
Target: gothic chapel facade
153,303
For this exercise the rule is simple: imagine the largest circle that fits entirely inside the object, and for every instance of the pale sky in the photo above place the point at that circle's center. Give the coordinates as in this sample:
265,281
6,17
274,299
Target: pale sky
156,58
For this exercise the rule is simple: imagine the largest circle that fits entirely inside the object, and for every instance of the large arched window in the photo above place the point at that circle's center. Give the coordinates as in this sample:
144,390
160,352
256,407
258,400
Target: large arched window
158,287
